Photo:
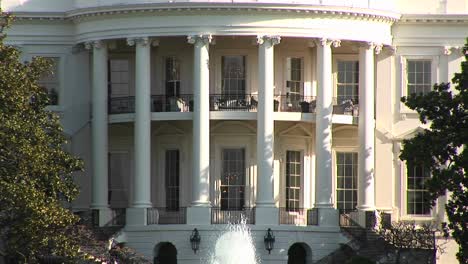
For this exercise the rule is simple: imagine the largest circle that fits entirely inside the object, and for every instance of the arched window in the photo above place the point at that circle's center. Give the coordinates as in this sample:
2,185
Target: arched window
165,253
297,254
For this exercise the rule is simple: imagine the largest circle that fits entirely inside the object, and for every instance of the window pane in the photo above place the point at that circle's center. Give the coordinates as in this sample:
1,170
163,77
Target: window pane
233,179
346,193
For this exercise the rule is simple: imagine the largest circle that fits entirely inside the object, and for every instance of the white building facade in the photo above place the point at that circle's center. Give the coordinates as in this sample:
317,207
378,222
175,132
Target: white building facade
192,114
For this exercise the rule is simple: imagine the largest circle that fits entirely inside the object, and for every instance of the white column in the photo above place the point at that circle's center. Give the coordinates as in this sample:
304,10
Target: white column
366,197
201,131
323,134
136,215
265,204
99,125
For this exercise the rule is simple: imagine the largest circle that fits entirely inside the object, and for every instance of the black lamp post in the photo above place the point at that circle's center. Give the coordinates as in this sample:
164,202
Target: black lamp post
269,240
195,240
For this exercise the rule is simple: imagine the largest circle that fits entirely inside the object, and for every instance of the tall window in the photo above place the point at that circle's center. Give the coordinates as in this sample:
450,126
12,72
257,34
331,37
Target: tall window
416,190
293,179
172,179
294,80
172,77
347,81
233,179
233,76
119,77
346,180
50,81
118,179
419,76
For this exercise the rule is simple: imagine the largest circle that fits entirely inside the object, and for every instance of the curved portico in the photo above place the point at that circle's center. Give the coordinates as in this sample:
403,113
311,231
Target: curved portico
201,111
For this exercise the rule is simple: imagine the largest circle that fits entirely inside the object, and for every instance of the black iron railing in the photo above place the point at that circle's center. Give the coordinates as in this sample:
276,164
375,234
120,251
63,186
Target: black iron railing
166,216
346,219
233,102
343,106
121,105
222,216
298,216
294,103
164,103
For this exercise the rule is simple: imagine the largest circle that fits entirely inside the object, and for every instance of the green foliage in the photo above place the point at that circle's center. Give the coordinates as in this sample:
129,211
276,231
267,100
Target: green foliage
443,149
35,171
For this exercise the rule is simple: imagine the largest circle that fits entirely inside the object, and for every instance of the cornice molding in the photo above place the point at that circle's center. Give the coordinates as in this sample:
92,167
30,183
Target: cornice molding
432,19
184,8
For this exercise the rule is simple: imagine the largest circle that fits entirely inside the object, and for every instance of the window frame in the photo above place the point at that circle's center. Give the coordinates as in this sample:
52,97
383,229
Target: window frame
166,194
60,76
404,75
301,179
336,59
216,83
335,173
244,180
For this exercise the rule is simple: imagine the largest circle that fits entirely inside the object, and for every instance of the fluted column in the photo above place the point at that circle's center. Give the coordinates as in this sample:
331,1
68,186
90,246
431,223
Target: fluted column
201,131
99,123
266,213
366,197
323,134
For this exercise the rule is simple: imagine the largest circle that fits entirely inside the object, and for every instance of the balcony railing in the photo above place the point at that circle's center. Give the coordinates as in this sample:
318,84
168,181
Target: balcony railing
118,216
222,216
294,103
298,216
121,105
164,103
165,216
235,102
346,106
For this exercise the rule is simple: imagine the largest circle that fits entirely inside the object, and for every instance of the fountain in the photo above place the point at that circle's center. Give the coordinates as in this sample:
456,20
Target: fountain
235,246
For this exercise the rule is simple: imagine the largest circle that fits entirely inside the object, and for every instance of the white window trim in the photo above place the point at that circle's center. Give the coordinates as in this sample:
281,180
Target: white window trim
336,58
306,72
302,151
334,172
215,178
404,77
218,71
61,76
403,198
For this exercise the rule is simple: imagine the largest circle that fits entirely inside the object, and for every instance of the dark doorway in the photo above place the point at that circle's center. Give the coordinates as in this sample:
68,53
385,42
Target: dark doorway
297,254
166,253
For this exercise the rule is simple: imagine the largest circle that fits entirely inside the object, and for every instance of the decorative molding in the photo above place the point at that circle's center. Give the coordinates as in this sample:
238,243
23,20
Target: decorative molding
77,14
144,41
448,50
327,42
202,38
378,48
269,40
97,44
431,19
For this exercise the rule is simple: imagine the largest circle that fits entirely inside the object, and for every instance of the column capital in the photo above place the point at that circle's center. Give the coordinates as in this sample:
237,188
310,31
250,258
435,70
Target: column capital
97,44
143,41
327,42
448,50
373,46
270,40
197,39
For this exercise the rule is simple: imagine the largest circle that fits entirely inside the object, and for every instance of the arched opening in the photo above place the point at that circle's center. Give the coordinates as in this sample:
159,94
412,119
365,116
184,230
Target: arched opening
165,253
299,253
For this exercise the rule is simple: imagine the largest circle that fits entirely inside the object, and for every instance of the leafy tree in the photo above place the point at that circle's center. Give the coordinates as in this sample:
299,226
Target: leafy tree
35,171
407,236
443,149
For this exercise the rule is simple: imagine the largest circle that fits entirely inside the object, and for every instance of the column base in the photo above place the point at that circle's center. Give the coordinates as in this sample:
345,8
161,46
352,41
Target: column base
199,215
366,217
266,215
136,216
328,216
102,216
